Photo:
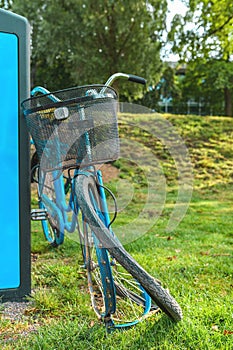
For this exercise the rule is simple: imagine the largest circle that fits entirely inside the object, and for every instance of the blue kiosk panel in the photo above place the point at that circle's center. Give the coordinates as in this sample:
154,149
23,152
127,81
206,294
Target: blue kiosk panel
9,174
15,277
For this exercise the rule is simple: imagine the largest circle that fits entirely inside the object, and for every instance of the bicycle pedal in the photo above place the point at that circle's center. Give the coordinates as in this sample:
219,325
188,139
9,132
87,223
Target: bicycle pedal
39,214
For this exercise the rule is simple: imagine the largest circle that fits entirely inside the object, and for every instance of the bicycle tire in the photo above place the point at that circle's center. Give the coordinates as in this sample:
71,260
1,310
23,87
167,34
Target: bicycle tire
158,294
124,303
34,166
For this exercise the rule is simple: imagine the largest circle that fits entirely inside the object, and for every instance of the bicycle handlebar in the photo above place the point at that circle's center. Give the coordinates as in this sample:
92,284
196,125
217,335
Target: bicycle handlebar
39,89
130,77
44,91
109,82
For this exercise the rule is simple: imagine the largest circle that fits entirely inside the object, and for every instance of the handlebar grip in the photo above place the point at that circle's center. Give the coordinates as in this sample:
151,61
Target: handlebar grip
136,79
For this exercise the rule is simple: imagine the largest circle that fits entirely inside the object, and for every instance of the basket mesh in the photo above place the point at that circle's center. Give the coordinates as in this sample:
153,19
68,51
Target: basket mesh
87,134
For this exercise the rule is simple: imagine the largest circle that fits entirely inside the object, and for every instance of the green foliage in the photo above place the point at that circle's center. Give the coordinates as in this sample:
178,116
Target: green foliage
204,36
205,30
207,82
81,42
120,36
167,88
55,26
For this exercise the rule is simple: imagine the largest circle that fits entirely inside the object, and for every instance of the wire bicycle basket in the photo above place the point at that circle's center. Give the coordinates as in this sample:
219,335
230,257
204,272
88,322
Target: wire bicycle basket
74,127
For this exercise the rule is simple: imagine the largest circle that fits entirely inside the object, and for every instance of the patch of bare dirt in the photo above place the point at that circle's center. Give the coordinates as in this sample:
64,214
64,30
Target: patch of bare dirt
109,172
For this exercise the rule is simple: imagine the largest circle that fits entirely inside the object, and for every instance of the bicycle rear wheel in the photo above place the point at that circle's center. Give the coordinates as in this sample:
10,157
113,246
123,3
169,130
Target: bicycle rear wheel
116,296
159,295
51,227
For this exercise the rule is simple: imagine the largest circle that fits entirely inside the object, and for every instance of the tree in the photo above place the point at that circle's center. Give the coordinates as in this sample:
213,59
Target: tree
204,35
167,89
203,83
52,36
81,42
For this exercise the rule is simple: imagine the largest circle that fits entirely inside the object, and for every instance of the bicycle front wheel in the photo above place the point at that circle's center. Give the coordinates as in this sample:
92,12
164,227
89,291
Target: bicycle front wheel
159,295
117,298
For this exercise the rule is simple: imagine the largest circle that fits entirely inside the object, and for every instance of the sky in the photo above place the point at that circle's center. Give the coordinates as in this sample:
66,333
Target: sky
174,7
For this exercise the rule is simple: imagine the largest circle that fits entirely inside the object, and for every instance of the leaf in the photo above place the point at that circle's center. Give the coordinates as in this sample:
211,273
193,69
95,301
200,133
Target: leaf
174,257
227,332
178,250
205,253
92,323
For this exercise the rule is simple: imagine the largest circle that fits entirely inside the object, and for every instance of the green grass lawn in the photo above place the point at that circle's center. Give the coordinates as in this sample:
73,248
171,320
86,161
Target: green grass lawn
195,260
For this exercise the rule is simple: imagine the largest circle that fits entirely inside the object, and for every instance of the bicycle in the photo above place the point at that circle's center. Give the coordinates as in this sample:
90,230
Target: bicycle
73,130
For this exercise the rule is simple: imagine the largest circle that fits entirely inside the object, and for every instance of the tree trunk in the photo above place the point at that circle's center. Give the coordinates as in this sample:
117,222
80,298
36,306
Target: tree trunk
228,102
